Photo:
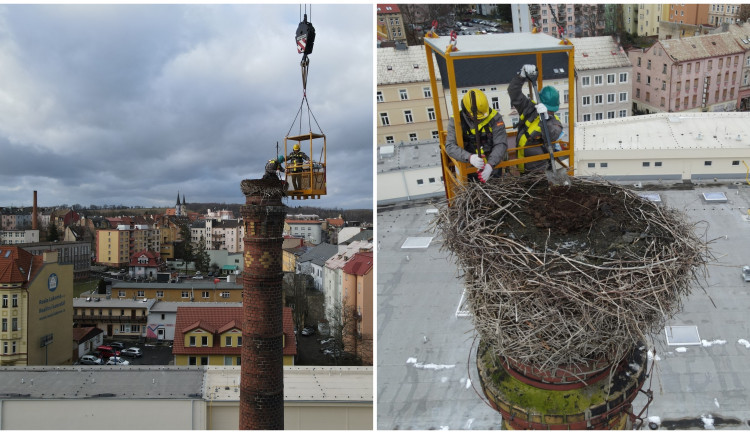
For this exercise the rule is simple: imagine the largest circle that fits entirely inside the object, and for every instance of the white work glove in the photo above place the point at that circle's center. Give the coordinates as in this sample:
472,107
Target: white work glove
541,108
528,71
484,174
476,161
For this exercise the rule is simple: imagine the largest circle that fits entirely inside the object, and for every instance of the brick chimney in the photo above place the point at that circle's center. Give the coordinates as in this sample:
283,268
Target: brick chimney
34,214
262,375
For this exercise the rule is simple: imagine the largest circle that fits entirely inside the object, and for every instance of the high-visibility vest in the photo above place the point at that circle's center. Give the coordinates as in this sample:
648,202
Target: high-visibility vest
524,134
486,142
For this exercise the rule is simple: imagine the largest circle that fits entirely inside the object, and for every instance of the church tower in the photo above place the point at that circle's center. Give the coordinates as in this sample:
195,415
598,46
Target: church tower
178,207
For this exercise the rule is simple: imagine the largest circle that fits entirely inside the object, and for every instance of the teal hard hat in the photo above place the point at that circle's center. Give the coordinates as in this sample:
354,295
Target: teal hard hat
550,97
280,158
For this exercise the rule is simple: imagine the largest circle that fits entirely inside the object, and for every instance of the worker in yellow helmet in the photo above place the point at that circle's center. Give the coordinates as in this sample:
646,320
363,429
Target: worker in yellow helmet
295,165
273,167
529,138
484,138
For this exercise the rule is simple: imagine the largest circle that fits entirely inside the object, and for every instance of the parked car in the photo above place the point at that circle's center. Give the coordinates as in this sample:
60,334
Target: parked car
117,361
90,359
117,345
105,351
308,331
746,273
132,352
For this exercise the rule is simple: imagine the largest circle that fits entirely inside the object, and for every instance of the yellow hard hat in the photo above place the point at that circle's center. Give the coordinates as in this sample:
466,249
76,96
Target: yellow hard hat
483,107
296,147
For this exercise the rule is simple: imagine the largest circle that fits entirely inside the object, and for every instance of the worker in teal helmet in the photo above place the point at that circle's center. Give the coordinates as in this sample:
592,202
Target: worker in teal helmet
274,166
529,137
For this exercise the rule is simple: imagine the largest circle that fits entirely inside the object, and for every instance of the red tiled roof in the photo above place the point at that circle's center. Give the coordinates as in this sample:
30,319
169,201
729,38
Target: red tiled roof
383,9
82,334
153,259
15,264
360,264
218,320
335,222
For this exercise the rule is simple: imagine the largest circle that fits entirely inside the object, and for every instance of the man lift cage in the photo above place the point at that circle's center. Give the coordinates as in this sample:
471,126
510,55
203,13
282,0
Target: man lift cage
490,54
312,173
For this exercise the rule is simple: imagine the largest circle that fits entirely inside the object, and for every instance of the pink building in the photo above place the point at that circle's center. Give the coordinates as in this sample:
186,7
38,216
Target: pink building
700,73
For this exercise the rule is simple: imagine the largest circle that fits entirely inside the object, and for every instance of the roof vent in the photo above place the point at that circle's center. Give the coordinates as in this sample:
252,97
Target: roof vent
401,46
416,66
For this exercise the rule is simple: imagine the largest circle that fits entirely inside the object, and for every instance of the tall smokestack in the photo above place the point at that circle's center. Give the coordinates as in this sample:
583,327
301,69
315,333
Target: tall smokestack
34,214
262,378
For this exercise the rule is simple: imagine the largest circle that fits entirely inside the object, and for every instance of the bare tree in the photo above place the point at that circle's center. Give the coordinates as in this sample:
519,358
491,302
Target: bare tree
744,13
409,16
296,287
342,321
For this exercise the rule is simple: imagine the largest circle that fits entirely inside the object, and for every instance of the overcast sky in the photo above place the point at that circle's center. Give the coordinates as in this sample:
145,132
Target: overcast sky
130,104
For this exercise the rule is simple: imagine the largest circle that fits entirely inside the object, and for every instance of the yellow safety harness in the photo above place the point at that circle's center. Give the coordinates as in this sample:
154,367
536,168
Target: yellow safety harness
484,127
532,126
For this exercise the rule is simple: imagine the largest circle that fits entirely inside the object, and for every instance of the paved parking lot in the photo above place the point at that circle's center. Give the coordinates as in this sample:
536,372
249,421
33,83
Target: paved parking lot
153,354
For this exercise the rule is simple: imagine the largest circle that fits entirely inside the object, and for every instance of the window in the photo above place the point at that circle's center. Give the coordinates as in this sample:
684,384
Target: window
140,293
657,163
623,96
408,117
389,139
591,165
496,103
228,360
648,96
224,294
435,134
430,114
610,79
384,119
664,69
602,164
611,114
736,163
586,81
380,96
204,360
412,137
599,99
639,61
610,98
227,341
623,113
239,341
598,79
239,361
598,116
427,92
135,328
648,80
13,347
623,77
204,341
403,94
721,63
710,63
192,341
646,164
638,77
160,294
565,97
5,324
5,348
5,301
420,181
648,65
191,360
586,100
185,294
121,293
431,180
586,117
204,294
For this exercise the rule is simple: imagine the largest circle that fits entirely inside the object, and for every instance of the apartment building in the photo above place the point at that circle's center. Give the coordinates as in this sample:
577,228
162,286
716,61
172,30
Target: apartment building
724,13
36,311
187,290
77,253
313,262
115,247
630,18
310,230
19,236
162,317
688,13
700,73
116,317
213,336
741,34
649,15
390,23
333,275
603,79
358,298
405,107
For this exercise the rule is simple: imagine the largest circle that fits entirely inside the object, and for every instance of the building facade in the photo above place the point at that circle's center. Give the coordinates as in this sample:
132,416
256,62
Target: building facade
723,13
310,230
358,299
20,236
115,247
187,290
741,34
37,308
390,23
690,13
77,253
116,317
213,336
700,73
405,107
603,79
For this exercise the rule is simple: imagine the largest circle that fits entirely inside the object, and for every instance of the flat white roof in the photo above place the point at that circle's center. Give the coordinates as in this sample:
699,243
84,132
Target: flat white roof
301,383
663,131
504,43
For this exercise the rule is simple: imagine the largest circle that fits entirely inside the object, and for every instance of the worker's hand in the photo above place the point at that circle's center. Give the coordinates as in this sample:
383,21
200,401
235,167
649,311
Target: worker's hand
542,109
476,161
485,173
528,71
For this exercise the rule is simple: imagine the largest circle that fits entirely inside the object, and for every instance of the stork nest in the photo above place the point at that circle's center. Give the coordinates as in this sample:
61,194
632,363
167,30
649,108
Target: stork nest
569,275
